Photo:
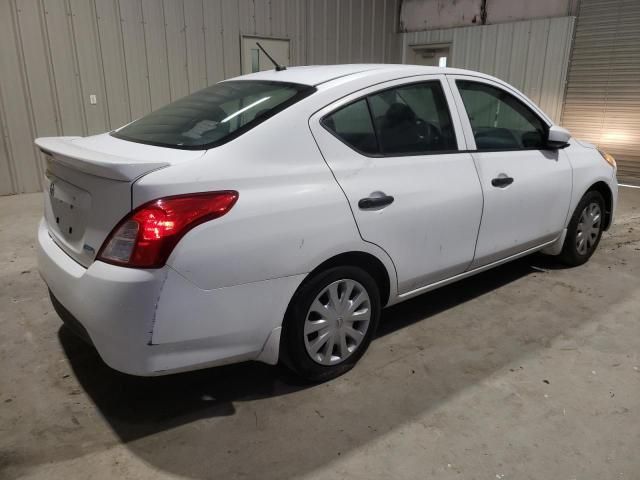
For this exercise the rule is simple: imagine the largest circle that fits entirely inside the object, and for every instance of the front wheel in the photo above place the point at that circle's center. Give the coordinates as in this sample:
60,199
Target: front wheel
330,323
584,230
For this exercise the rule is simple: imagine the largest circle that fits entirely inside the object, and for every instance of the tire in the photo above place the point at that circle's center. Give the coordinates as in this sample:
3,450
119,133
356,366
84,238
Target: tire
314,324
583,235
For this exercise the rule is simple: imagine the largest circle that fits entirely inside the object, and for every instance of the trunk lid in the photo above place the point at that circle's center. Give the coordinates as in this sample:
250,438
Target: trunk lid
88,186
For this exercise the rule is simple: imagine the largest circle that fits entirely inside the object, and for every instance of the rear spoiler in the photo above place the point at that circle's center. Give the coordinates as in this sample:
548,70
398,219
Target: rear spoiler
100,164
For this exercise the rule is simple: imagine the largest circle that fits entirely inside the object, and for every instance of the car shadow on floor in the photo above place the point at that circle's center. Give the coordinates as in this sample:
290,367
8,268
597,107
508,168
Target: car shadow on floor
142,411
140,406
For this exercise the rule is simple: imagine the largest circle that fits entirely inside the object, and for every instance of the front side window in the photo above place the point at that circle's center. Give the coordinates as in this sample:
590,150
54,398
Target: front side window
407,120
413,119
214,114
499,120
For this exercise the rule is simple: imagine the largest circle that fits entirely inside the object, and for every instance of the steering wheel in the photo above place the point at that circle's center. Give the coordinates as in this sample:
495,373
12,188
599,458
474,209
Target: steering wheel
429,134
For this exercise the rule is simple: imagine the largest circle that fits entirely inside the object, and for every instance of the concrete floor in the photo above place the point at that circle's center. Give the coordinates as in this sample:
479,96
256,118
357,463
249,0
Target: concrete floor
530,371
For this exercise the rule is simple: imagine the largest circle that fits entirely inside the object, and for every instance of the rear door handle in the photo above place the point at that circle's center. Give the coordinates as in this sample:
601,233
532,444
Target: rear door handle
502,181
376,200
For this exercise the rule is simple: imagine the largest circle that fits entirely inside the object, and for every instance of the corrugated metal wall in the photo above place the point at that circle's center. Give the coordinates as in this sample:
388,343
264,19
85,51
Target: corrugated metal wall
136,55
530,55
603,92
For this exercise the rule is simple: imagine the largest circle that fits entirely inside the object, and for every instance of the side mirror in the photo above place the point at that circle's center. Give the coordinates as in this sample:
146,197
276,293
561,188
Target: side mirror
558,137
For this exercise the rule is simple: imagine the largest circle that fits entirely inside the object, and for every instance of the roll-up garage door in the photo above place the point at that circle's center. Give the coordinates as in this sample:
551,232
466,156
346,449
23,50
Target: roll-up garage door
602,102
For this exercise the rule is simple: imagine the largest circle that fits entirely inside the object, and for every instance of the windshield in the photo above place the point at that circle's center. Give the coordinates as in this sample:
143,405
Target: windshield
214,115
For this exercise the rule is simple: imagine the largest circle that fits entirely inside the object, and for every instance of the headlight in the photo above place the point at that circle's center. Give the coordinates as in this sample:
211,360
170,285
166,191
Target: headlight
608,158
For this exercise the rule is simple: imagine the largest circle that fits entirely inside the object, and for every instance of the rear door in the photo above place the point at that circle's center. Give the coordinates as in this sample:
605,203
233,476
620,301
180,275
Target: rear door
398,154
527,187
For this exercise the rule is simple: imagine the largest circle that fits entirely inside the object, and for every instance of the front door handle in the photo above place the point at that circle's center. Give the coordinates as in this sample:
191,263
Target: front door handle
502,181
375,200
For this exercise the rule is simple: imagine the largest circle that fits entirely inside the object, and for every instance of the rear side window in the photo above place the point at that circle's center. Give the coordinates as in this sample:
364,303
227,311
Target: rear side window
214,115
499,120
408,120
352,124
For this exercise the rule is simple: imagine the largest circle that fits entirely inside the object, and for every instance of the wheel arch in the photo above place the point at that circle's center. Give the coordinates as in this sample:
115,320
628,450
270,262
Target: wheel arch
604,190
368,262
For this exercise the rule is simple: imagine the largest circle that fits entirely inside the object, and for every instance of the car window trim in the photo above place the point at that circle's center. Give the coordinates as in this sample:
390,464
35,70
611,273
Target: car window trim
404,154
304,92
504,91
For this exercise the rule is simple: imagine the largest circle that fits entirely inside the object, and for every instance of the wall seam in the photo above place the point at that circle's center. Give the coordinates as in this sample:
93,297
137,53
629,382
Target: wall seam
337,23
166,51
373,31
567,62
7,146
384,31
103,77
124,59
146,52
50,70
76,64
186,46
204,45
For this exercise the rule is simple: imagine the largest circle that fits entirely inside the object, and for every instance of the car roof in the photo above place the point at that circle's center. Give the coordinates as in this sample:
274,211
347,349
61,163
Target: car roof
318,74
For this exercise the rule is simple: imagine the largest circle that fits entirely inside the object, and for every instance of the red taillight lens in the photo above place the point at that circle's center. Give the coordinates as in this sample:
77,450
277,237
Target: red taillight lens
146,237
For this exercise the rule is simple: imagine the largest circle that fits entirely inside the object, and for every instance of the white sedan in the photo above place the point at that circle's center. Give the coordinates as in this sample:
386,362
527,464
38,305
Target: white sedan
272,216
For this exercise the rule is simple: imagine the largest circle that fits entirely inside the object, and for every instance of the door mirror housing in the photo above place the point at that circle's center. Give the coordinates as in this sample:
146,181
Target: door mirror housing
558,137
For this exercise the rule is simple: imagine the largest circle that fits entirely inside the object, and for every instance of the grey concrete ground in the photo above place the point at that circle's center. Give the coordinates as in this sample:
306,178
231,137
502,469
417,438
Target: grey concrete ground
527,372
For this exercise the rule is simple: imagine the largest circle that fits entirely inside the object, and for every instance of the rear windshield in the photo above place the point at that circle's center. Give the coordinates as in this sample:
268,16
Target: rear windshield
214,115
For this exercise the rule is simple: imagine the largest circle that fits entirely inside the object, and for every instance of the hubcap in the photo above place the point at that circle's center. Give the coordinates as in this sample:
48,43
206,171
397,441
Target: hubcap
337,322
588,228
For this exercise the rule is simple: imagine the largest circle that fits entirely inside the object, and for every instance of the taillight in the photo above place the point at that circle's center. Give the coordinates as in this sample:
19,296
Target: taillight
146,237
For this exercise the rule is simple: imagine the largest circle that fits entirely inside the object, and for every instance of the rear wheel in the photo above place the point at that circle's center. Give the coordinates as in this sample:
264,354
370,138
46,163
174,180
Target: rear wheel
330,323
584,230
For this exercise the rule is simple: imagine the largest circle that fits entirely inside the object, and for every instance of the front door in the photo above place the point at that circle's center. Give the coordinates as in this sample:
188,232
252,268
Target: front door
526,186
398,154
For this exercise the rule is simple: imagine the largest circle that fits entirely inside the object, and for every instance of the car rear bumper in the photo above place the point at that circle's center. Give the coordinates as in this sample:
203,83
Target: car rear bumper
154,322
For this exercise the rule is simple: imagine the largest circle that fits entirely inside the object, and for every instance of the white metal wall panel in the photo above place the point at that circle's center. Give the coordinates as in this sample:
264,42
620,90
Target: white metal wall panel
355,31
531,55
137,55
89,60
57,29
17,113
175,30
113,64
377,33
330,32
214,39
156,52
602,103
36,65
6,173
196,50
344,22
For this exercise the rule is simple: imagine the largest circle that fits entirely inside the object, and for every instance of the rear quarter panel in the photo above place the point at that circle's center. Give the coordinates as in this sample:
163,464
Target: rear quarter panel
290,216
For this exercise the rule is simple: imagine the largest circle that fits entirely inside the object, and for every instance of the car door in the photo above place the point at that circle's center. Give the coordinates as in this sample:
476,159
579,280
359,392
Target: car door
398,153
526,186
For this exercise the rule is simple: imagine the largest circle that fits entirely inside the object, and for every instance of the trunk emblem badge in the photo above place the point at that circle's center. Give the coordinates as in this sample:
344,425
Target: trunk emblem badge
88,248
52,189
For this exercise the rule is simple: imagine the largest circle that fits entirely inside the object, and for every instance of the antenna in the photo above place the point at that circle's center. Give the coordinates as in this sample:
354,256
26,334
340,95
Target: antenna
279,67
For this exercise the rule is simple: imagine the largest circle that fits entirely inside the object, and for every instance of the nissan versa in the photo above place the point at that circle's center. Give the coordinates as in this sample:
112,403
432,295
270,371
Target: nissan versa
272,216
